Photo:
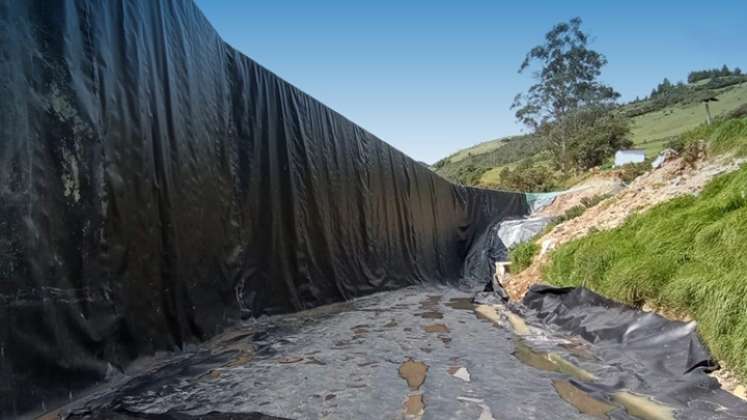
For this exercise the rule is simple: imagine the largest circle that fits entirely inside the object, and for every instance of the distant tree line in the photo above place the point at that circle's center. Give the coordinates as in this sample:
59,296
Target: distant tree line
718,78
667,93
667,88
698,75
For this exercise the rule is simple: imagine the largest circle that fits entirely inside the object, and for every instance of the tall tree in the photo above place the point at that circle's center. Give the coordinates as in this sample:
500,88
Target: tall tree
567,79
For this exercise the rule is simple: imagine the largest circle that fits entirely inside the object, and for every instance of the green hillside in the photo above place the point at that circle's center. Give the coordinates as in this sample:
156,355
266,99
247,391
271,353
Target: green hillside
654,122
468,166
653,129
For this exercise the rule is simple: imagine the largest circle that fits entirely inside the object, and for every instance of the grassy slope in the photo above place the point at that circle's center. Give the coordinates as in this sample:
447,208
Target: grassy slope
688,255
492,154
478,149
651,131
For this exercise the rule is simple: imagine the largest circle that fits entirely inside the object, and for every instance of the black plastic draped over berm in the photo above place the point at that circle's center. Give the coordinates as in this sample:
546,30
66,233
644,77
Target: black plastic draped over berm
156,184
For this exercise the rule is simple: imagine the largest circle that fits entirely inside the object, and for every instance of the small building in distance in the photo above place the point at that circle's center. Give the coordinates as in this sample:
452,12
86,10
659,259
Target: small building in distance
623,157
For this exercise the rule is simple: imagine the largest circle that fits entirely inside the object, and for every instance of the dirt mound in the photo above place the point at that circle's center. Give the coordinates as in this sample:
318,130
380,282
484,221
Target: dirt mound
599,184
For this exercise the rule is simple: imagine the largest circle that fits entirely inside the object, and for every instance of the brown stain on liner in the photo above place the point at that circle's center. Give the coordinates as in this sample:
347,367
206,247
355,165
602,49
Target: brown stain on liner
431,315
436,328
462,304
414,372
414,406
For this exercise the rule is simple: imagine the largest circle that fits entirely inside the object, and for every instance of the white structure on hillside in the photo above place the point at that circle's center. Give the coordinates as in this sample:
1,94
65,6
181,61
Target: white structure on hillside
623,157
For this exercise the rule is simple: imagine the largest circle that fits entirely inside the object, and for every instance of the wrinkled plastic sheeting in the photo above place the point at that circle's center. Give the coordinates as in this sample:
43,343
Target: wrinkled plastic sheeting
114,415
538,201
666,358
493,246
156,184
514,232
479,265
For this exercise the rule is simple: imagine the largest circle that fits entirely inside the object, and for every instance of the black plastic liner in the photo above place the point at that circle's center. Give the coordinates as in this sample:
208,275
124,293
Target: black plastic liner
156,184
662,358
343,361
119,415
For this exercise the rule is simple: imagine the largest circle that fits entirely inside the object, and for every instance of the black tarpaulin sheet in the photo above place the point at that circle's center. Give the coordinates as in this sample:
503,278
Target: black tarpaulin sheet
156,184
646,353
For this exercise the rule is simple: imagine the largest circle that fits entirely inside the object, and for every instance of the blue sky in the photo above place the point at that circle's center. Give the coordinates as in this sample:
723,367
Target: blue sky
431,77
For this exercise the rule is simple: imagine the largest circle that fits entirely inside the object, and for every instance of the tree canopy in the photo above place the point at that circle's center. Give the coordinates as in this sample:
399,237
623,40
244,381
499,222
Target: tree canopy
567,79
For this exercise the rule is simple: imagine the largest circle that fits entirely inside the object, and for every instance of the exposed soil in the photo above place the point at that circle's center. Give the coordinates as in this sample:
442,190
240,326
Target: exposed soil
600,183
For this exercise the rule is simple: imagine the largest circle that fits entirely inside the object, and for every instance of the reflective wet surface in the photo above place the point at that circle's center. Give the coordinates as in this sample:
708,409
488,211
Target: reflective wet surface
416,353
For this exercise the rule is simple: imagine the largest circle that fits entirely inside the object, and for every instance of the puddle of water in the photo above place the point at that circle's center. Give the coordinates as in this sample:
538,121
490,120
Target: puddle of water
643,407
462,304
490,313
436,328
569,368
414,373
518,324
584,403
430,302
552,362
487,312
529,356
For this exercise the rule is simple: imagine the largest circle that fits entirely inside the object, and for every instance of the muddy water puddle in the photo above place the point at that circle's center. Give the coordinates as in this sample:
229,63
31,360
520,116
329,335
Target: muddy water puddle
584,402
643,407
430,308
461,304
549,361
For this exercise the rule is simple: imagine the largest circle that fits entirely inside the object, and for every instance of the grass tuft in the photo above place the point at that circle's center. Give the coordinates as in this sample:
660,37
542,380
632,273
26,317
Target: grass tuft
521,255
723,136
